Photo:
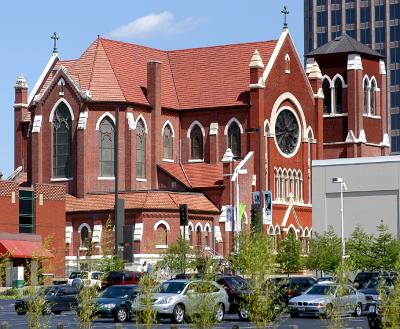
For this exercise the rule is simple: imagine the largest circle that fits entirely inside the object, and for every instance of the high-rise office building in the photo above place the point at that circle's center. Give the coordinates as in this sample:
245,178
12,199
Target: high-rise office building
375,23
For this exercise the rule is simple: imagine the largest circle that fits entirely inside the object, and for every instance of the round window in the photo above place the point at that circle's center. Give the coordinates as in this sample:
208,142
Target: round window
287,132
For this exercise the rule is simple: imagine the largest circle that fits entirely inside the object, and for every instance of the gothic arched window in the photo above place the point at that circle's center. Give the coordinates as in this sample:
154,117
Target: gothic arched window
140,150
106,147
372,108
207,237
84,236
366,96
198,236
62,142
326,89
167,142
234,139
162,235
196,143
338,96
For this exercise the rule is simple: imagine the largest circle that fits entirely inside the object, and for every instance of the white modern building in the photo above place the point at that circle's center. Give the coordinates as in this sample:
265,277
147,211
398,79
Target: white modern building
372,195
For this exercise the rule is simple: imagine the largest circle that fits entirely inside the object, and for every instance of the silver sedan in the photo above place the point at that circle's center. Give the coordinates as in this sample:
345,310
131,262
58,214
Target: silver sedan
325,299
180,299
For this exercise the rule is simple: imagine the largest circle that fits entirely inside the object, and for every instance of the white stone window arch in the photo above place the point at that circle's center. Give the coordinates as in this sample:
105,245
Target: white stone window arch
84,231
141,117
167,137
298,108
198,225
161,222
302,131
300,174
292,228
100,119
291,183
230,122
61,100
327,89
194,123
372,96
267,128
285,184
190,232
338,85
207,235
287,63
277,230
310,134
271,230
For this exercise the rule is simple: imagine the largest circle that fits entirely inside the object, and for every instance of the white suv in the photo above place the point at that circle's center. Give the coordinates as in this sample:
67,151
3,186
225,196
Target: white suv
89,278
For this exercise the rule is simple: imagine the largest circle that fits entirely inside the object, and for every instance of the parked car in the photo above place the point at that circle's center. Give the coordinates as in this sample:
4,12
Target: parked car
290,287
57,298
362,278
178,299
238,290
372,287
320,299
121,277
92,279
116,302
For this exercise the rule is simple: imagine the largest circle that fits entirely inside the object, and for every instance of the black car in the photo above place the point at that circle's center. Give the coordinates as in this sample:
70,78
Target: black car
238,290
116,302
362,278
57,298
287,288
371,288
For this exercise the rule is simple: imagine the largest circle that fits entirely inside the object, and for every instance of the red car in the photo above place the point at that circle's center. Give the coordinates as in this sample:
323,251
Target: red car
121,277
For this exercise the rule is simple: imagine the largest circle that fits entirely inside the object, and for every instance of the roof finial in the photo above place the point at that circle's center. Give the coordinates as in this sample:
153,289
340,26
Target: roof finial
55,37
285,12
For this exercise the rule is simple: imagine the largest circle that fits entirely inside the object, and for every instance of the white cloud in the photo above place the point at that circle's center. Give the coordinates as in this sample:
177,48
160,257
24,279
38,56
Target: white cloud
149,25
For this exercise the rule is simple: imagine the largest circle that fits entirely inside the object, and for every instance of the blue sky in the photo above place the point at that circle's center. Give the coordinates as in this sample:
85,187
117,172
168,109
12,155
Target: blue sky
26,26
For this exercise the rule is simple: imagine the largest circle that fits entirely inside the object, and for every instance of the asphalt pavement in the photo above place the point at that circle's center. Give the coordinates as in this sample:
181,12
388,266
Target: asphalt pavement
8,314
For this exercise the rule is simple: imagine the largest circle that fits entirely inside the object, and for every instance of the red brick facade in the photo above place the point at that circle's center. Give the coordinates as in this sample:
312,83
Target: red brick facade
48,218
212,88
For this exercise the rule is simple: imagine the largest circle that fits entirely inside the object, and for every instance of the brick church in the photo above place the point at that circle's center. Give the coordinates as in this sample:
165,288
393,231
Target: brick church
178,114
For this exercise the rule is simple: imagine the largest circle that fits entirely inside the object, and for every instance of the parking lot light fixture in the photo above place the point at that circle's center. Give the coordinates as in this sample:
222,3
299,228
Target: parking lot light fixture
339,180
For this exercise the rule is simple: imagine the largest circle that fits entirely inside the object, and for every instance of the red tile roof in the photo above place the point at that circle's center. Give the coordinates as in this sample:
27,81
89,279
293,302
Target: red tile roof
191,78
195,175
151,200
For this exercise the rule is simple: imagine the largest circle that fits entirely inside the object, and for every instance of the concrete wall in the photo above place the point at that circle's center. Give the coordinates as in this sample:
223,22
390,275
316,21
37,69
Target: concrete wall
372,195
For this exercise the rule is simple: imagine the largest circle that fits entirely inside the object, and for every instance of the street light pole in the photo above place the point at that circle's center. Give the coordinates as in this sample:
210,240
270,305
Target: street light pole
340,181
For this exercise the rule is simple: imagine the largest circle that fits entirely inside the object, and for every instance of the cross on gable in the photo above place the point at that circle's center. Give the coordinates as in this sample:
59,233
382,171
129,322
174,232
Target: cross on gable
285,12
55,37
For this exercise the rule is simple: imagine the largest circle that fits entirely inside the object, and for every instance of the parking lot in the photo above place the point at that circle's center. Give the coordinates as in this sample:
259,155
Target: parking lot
7,313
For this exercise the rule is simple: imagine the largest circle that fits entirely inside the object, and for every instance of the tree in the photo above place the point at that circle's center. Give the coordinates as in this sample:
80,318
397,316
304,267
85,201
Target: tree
358,247
325,251
385,249
110,261
256,259
289,256
176,258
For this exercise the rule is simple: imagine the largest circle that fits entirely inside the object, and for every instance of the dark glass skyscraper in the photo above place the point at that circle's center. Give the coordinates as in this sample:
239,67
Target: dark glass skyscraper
375,23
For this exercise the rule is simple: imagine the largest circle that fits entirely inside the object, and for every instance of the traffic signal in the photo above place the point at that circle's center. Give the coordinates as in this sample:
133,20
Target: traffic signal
183,215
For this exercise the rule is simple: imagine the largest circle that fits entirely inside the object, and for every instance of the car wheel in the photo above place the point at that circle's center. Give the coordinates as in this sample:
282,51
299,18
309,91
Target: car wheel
358,310
121,315
219,315
47,309
243,314
178,314
294,315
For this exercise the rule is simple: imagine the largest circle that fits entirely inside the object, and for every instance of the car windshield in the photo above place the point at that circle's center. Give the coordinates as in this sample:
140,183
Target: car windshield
375,282
362,279
170,287
320,290
75,275
237,282
118,292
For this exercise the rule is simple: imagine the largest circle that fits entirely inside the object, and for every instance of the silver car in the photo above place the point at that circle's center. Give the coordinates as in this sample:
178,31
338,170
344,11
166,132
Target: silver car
179,299
321,298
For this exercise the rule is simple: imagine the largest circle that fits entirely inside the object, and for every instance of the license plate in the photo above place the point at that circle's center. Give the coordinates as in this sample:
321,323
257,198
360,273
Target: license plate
372,309
302,309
